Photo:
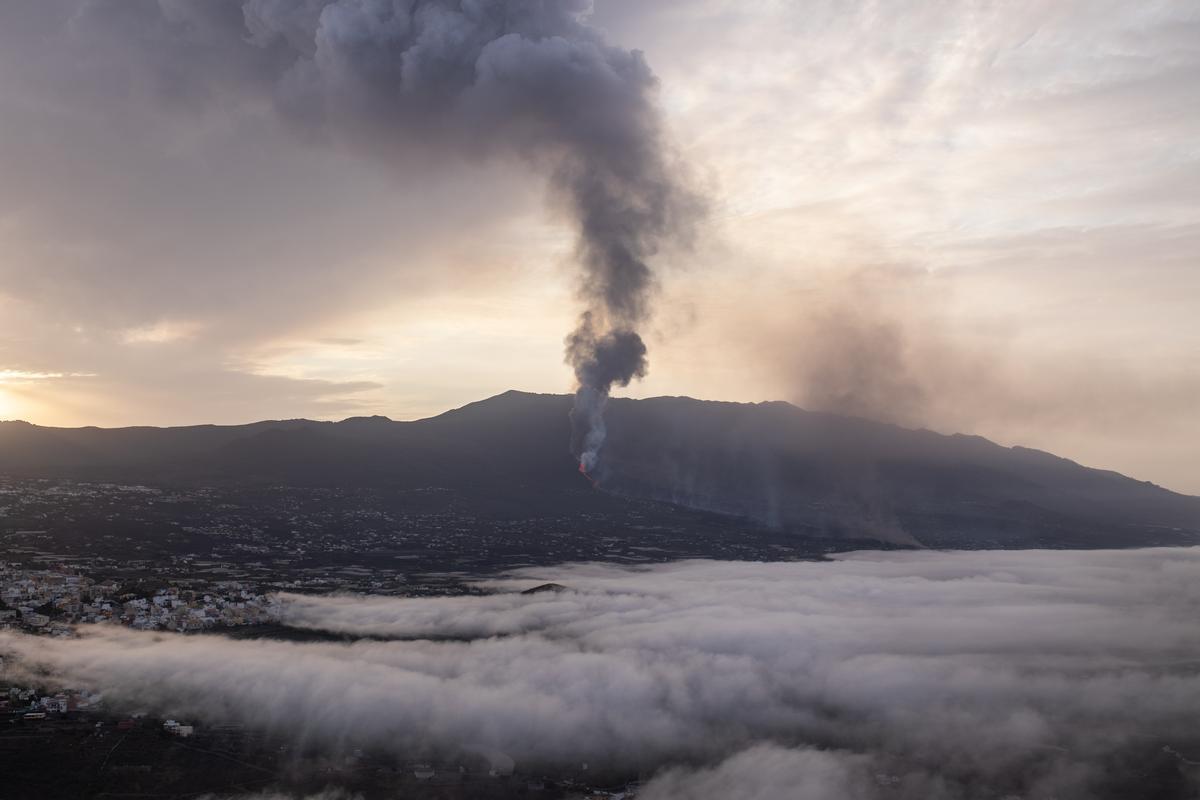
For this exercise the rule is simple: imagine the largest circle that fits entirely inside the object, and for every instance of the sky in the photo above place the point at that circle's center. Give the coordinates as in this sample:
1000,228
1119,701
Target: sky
967,216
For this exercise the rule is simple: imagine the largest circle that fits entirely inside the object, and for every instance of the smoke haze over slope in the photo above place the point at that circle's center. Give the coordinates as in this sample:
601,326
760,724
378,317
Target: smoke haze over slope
779,466
954,674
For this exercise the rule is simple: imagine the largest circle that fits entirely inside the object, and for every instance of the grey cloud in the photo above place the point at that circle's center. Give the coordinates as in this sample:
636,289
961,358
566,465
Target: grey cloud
1019,672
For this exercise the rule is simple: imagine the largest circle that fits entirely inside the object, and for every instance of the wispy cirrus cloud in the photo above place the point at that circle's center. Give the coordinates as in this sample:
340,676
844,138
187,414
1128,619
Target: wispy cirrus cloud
24,376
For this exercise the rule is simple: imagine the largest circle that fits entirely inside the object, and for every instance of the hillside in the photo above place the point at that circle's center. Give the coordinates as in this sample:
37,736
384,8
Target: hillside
816,474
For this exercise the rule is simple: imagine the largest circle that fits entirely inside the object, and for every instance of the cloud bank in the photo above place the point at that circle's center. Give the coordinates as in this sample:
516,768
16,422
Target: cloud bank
984,212
895,675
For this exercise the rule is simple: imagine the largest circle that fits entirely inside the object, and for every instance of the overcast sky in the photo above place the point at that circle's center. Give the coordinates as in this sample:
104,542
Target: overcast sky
965,215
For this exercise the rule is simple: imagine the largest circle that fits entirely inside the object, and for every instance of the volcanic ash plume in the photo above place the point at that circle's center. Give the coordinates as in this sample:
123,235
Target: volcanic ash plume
628,200
533,79
529,80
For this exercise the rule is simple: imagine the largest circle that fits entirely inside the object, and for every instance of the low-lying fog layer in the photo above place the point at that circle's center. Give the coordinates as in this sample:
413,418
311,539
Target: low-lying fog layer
915,674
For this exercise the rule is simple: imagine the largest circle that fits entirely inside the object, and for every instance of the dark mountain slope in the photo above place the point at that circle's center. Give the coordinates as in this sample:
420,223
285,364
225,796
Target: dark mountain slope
775,462
820,474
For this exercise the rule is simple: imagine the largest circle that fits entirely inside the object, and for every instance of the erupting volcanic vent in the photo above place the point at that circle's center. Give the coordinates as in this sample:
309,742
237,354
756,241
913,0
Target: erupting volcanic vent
583,470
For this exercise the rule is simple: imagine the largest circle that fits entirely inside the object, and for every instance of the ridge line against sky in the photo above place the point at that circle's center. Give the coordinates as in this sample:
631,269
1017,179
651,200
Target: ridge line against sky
974,218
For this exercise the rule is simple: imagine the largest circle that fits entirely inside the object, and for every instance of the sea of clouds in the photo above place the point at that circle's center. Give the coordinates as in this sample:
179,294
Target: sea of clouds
906,674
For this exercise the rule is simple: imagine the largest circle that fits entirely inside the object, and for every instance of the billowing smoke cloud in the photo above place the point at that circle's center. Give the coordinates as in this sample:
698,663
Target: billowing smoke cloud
523,79
916,674
893,344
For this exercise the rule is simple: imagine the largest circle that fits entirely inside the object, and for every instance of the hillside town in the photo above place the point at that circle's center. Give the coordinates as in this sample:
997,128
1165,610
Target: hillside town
52,601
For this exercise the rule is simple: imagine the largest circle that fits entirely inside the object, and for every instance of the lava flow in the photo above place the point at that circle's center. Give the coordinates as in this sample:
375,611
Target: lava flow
583,471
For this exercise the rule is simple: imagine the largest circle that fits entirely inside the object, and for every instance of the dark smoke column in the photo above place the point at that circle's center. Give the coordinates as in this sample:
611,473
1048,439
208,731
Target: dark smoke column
601,359
454,79
530,78
629,199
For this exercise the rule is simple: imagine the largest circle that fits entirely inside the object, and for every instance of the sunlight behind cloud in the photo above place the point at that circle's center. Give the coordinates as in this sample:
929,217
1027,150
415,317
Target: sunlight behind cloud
161,332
